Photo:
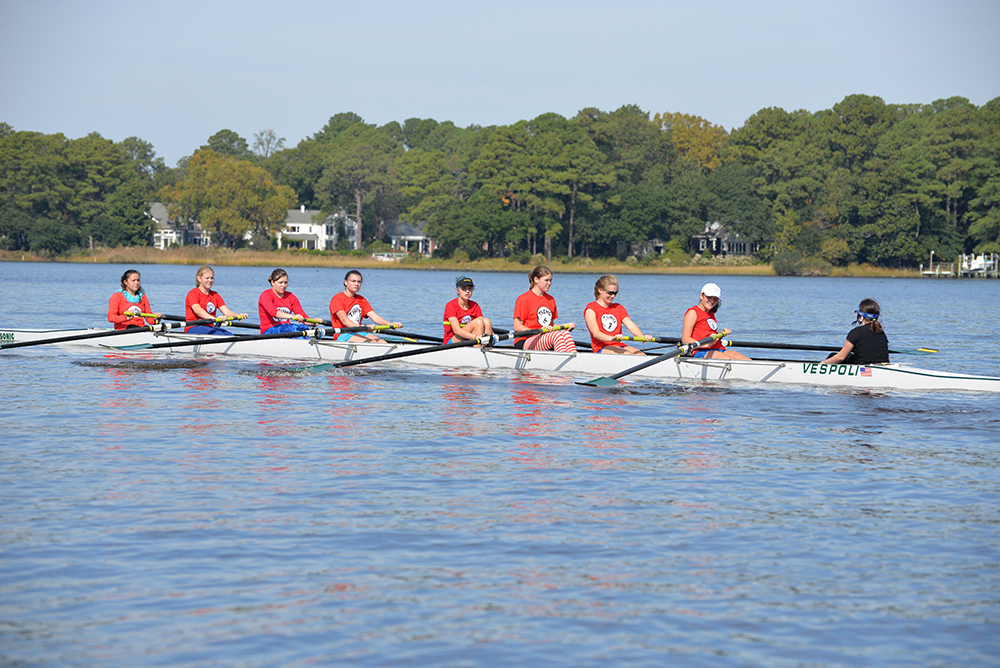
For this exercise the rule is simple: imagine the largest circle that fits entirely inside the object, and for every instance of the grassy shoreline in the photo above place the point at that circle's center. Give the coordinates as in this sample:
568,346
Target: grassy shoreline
196,255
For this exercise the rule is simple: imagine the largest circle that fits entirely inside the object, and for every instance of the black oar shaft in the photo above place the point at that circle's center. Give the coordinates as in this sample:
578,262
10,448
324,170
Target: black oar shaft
216,340
580,345
79,337
681,349
98,335
418,337
444,346
408,353
775,346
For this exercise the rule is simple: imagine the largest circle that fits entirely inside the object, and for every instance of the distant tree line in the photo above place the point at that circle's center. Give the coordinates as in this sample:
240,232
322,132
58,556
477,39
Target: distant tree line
862,182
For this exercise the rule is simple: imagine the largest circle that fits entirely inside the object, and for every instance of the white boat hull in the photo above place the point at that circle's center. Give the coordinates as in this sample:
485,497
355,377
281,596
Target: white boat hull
581,365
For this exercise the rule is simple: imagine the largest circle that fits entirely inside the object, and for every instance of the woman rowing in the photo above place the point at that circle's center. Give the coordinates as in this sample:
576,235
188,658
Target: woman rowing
463,319
280,311
349,309
866,343
699,322
536,309
125,305
605,318
204,303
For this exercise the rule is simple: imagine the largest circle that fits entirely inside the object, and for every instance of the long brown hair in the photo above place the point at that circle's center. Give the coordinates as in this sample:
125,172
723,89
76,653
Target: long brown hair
870,307
129,272
276,274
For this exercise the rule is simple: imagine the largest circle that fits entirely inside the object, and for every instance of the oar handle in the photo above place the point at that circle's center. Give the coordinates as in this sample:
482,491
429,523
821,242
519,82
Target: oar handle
358,328
220,318
235,321
643,339
535,332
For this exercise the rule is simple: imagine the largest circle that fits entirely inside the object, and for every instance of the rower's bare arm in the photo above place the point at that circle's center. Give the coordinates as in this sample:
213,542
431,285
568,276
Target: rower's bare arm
634,328
839,357
458,331
229,313
688,327
379,320
595,330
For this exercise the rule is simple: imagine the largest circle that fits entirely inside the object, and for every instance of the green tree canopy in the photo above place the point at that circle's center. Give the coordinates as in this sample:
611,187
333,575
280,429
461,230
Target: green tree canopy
231,198
228,143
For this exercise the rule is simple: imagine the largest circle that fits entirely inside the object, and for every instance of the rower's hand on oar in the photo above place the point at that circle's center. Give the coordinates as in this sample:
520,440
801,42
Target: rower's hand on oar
488,340
645,337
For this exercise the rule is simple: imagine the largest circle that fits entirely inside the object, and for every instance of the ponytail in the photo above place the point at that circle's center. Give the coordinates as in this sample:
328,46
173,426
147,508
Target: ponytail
869,312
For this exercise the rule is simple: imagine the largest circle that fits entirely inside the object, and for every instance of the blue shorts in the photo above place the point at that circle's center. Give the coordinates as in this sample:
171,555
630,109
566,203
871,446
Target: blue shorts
205,329
287,328
705,351
344,337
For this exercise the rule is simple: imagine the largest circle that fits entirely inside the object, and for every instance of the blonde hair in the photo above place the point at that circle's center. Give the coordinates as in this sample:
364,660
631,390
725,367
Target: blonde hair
201,270
602,284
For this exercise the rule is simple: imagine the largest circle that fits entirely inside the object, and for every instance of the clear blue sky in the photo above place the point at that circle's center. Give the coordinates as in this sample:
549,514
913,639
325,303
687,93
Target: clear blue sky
174,73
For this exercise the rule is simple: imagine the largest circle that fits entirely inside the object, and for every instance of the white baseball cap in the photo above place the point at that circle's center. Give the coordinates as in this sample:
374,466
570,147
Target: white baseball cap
712,290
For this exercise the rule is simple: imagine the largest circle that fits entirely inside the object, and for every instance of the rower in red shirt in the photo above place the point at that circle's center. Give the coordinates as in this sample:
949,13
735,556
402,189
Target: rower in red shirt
699,322
202,302
605,318
279,309
536,309
125,305
463,319
349,309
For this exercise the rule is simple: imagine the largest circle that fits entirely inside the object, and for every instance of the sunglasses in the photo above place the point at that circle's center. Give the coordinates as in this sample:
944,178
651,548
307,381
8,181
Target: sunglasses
611,293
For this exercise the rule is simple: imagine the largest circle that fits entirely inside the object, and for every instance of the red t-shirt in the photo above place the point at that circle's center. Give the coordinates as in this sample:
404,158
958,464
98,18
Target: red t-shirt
534,311
465,316
269,304
357,309
120,308
210,303
610,321
705,325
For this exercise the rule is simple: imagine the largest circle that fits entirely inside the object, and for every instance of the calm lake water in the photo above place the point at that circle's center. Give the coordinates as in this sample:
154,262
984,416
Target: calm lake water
168,510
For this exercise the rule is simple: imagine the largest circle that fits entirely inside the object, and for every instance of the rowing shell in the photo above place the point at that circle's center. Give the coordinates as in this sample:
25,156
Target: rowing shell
888,376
